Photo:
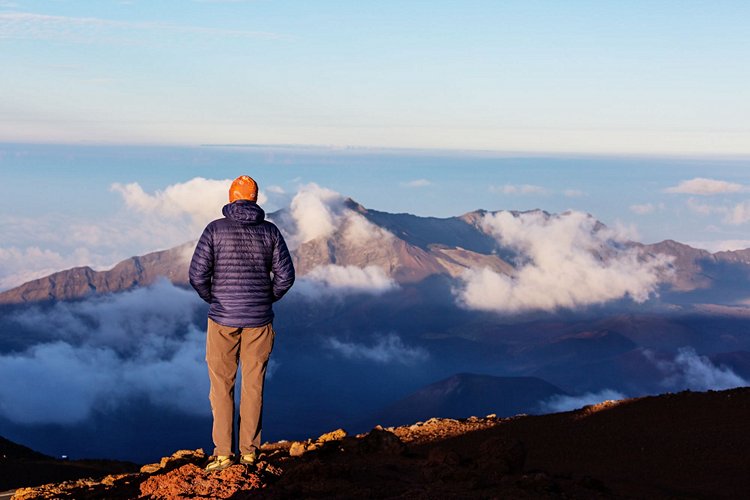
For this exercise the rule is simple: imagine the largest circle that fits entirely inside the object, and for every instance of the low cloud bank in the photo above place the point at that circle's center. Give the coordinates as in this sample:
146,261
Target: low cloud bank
332,279
565,261
104,351
385,349
689,370
561,403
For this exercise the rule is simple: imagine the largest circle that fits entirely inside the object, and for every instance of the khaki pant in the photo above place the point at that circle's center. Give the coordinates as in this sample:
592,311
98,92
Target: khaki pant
225,347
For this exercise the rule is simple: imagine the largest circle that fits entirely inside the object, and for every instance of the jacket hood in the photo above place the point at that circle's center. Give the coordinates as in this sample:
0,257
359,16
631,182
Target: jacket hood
245,211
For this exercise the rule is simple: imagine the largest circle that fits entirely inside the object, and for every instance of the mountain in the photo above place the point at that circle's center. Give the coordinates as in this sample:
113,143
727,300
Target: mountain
22,466
467,394
408,248
684,445
80,282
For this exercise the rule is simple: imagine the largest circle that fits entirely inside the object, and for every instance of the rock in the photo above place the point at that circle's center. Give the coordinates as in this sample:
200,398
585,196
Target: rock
336,435
297,449
191,481
382,441
178,458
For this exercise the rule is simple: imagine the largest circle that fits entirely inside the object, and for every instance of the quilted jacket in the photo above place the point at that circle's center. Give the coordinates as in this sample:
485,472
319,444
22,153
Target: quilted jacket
241,266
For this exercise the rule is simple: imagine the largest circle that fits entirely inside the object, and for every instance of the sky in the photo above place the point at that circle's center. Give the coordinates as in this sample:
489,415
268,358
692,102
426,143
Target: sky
116,117
581,76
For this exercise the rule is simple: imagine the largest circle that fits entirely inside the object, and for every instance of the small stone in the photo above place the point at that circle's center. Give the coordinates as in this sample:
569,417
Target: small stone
336,435
297,449
491,416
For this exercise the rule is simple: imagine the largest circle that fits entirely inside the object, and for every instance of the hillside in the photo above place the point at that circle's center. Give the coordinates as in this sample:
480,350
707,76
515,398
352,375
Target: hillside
688,444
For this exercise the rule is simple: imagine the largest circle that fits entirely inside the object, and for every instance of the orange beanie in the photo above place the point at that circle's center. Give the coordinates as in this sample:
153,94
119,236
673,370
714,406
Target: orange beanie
243,188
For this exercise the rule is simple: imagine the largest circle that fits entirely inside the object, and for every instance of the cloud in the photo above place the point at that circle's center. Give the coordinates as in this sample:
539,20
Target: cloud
32,26
19,265
721,245
417,183
643,209
688,370
99,353
704,208
316,212
386,349
565,261
518,189
561,403
573,193
332,279
646,208
199,199
706,187
739,214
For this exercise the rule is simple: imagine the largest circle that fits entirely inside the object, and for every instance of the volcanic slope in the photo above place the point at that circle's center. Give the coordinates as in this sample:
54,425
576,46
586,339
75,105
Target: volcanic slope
684,445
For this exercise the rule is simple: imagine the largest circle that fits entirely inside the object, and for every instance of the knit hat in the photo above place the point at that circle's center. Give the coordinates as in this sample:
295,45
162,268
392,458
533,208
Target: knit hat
243,188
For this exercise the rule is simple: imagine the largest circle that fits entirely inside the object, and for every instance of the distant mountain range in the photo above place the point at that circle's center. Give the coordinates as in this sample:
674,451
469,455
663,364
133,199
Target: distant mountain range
420,247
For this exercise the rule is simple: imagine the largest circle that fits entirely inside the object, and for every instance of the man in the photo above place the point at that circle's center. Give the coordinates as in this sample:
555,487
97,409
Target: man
241,266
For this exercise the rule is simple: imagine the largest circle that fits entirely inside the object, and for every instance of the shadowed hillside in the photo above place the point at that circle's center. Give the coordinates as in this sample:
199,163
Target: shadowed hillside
684,445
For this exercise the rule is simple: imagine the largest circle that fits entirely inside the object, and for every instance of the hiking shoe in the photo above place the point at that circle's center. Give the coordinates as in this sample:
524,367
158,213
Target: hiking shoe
248,458
220,462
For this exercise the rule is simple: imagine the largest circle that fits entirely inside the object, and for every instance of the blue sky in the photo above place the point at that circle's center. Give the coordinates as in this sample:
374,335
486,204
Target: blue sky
429,107
643,77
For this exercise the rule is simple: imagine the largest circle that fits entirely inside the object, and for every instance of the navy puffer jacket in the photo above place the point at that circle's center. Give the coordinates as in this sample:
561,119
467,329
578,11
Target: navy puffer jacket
233,263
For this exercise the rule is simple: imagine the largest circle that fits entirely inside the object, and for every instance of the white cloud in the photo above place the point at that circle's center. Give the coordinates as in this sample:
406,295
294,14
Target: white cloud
417,183
574,193
706,187
333,279
704,208
720,245
642,209
199,199
739,214
386,349
316,213
32,26
518,189
688,370
561,403
101,352
19,265
567,261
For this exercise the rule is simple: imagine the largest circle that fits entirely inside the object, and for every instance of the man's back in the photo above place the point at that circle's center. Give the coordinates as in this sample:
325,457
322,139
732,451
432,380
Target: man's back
232,265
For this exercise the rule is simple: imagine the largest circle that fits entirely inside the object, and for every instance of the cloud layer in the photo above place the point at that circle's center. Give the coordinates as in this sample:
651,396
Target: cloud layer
104,351
565,261
567,403
689,370
332,279
385,349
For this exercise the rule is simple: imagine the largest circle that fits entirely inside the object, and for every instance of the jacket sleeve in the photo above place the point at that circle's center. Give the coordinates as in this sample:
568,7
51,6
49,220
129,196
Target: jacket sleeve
282,267
202,266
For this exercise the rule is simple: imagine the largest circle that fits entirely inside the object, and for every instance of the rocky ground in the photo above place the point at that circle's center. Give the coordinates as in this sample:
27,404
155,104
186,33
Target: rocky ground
686,445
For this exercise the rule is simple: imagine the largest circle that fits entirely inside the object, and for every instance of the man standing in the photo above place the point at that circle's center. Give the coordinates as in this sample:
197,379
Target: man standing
241,266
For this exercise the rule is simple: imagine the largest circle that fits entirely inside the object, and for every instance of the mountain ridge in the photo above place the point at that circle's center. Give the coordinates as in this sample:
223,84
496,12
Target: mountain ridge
414,248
